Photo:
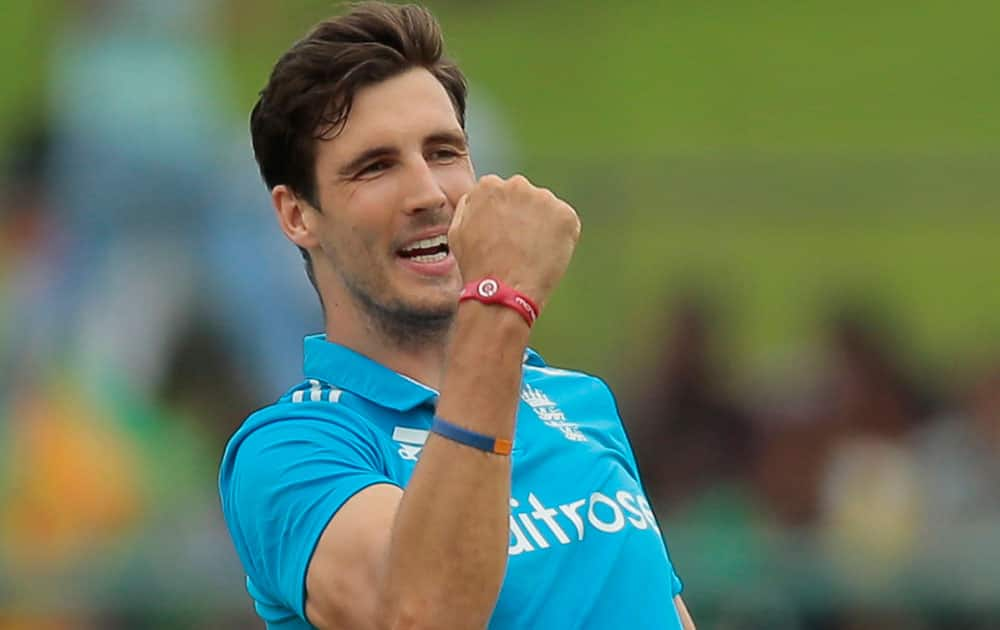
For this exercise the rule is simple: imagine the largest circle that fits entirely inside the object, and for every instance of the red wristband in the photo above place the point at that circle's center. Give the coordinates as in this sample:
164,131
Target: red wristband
491,291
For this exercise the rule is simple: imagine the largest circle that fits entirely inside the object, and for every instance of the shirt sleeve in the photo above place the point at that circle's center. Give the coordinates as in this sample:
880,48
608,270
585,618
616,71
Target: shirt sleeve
676,586
287,480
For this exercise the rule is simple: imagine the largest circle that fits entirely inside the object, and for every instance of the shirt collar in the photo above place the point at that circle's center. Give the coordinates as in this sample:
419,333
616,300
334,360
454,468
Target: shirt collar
533,358
346,369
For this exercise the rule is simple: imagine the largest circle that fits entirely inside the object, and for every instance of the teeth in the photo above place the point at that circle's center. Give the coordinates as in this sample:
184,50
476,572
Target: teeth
428,243
433,258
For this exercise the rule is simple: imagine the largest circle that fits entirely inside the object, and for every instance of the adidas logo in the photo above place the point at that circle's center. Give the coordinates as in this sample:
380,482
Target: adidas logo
411,442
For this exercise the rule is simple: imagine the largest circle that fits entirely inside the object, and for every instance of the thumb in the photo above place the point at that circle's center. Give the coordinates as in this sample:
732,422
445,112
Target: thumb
456,219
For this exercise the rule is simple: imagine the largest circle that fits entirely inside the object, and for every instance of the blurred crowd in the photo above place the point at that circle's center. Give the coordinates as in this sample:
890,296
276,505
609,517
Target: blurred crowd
140,273
854,490
149,303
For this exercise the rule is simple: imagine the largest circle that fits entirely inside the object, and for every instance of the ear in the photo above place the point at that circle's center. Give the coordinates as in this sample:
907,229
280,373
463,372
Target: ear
293,217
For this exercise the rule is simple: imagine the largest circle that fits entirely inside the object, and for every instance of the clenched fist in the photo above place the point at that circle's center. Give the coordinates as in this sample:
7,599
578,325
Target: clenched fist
516,232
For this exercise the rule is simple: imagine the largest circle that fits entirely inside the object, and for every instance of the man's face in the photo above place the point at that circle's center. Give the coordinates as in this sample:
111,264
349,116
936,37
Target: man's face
388,185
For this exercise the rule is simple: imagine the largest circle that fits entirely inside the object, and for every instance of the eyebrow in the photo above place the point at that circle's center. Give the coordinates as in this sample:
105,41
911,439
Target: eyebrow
458,139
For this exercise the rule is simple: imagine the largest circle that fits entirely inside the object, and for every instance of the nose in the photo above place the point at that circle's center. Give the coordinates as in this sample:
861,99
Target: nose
423,190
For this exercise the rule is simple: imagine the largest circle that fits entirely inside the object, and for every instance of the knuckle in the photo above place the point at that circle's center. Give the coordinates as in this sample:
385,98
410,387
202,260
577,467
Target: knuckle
572,218
490,182
520,184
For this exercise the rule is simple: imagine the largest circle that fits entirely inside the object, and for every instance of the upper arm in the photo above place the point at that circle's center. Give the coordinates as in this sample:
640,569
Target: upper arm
343,579
284,492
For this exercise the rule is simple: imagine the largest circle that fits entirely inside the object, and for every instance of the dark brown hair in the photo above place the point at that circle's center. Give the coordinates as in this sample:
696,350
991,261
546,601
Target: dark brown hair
309,94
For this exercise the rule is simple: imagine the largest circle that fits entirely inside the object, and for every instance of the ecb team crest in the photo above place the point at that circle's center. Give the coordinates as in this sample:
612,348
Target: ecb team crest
549,413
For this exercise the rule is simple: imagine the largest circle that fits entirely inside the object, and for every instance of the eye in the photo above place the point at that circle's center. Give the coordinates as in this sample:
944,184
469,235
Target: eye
374,168
445,154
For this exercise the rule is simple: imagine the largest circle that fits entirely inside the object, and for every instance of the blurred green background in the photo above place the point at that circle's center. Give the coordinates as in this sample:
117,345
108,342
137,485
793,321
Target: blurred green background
774,150
778,159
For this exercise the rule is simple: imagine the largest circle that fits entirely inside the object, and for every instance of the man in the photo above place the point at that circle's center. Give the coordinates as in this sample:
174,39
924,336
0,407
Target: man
431,472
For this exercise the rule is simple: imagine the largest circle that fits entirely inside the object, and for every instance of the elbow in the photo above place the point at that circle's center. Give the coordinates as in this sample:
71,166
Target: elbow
405,620
409,618
421,616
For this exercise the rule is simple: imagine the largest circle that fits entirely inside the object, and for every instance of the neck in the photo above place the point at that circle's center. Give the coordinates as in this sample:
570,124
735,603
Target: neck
418,353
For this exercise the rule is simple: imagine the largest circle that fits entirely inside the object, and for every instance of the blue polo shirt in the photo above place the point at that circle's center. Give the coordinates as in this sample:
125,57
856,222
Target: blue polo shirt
585,549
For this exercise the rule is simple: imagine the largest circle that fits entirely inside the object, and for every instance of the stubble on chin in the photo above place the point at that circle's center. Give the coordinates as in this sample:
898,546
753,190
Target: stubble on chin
406,325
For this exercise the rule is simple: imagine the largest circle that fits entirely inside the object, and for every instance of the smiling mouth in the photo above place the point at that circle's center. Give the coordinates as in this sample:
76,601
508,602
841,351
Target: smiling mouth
428,250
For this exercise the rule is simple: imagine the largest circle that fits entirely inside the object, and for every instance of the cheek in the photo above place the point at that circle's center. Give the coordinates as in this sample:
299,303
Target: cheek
364,211
457,181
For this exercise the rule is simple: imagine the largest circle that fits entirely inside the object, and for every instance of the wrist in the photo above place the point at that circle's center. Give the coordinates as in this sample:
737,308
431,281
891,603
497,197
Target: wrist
483,332
499,323
484,360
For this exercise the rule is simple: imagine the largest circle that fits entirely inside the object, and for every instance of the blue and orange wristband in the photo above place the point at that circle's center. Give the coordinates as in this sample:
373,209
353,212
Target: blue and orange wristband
461,435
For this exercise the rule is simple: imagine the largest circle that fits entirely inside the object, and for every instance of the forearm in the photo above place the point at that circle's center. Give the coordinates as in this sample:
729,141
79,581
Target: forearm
448,553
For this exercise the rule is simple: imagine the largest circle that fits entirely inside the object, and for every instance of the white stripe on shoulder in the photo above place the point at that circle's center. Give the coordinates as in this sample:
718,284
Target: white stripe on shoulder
318,392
